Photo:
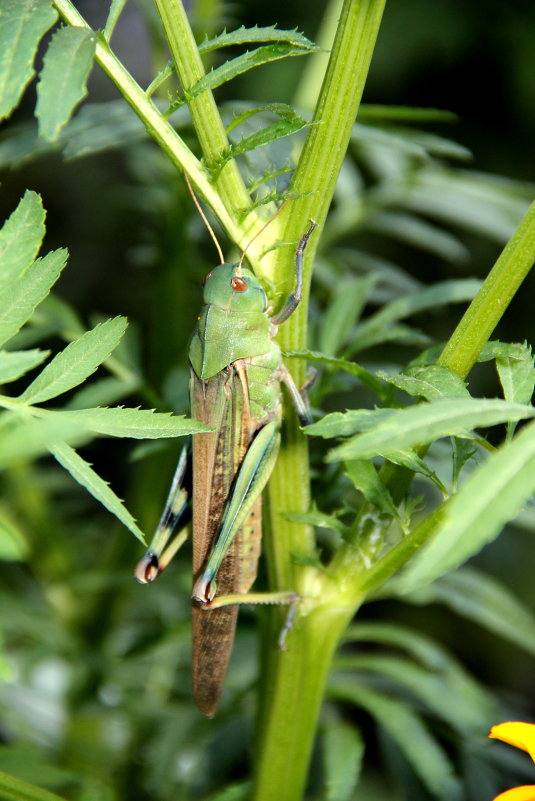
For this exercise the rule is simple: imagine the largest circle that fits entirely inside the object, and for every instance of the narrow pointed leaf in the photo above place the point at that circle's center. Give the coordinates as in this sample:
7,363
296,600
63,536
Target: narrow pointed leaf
13,546
76,362
20,238
344,312
343,749
22,24
246,61
343,424
20,299
418,425
63,79
84,474
136,423
13,364
365,478
427,759
491,497
13,789
484,600
243,35
429,298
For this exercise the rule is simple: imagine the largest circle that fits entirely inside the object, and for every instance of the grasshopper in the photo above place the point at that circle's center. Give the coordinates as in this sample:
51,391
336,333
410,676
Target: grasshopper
236,374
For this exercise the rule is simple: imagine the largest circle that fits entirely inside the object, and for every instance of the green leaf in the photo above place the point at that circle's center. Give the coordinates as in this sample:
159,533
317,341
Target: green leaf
419,233
431,297
22,24
289,123
493,495
12,789
426,757
364,477
20,238
76,362
343,312
342,424
405,428
84,474
371,112
430,382
136,423
243,35
411,460
63,79
343,749
438,692
13,545
25,439
341,364
484,600
13,364
242,63
20,299
517,373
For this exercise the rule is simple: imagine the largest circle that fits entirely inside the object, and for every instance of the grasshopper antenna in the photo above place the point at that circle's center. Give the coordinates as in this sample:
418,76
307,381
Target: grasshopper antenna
240,263
205,220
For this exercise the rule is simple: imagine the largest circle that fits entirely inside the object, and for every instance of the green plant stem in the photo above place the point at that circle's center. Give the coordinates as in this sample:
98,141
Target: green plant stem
157,126
490,303
293,681
203,110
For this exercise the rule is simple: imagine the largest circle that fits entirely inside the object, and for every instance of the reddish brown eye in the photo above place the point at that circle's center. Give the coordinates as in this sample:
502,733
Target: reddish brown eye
238,284
207,276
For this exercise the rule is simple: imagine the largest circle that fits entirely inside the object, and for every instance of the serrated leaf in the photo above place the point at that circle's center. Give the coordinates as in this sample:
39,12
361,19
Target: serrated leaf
413,739
517,373
13,364
431,297
103,392
319,519
343,749
63,79
289,124
341,364
343,424
84,474
76,362
243,35
430,382
242,63
418,425
21,298
137,423
492,496
364,476
484,600
411,460
20,238
22,24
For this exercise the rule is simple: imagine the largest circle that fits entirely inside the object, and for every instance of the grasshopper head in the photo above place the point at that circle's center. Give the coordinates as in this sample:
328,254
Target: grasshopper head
235,288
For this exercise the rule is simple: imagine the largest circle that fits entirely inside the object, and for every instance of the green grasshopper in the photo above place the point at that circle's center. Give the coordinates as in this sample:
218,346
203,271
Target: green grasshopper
236,373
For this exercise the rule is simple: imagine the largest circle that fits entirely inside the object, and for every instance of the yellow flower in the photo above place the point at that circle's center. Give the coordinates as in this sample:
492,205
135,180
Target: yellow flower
521,735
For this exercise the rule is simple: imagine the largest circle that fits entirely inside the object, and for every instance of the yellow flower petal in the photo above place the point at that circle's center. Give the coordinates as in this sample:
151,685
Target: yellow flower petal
521,735
525,793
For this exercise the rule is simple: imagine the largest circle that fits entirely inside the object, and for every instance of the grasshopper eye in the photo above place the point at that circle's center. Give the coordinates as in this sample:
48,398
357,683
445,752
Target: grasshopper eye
207,276
238,284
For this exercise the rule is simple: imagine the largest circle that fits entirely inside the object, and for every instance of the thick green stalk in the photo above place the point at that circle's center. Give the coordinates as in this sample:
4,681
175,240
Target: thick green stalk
293,681
204,114
490,303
